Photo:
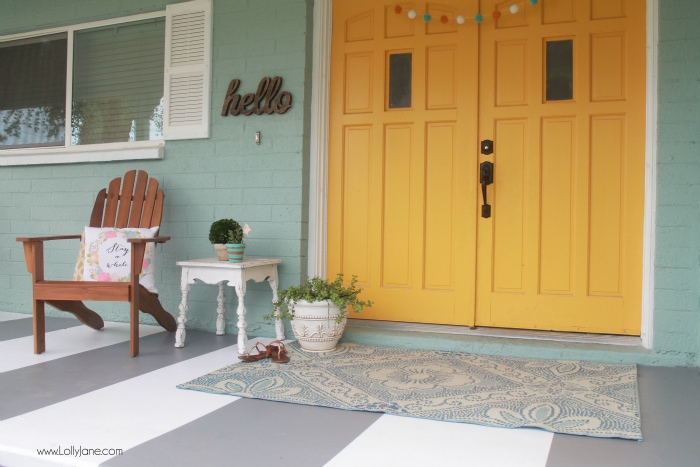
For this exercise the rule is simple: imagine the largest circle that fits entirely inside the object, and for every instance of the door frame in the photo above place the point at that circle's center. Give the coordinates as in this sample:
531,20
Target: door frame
319,139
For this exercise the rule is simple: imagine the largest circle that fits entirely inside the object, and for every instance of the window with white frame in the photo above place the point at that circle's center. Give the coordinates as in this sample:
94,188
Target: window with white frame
118,83
32,95
107,90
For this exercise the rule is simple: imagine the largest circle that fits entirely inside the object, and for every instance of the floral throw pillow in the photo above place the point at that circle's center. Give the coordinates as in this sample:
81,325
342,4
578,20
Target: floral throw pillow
80,261
107,256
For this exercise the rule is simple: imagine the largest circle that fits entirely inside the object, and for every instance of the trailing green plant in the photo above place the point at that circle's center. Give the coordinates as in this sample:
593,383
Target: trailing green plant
315,289
226,231
235,235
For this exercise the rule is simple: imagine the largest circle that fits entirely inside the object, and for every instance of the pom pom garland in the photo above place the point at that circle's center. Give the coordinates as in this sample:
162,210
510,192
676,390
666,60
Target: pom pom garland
460,19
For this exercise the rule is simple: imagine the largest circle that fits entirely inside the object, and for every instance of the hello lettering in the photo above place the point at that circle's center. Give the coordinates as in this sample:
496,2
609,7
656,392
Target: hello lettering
265,100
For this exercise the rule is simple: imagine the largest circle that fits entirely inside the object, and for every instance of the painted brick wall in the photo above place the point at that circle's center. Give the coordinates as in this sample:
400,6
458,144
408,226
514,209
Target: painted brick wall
677,317
227,175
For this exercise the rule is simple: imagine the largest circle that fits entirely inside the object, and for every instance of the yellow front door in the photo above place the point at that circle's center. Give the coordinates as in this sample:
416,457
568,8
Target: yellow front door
559,89
401,162
562,95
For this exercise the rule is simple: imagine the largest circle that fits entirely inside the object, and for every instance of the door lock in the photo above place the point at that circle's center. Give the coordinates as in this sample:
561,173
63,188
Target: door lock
485,178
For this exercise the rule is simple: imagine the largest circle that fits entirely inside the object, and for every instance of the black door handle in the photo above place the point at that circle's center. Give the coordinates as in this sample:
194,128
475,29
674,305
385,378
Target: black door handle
485,178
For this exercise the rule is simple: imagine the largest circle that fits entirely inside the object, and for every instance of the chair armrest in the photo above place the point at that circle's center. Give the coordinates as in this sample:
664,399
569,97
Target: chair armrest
137,252
34,253
44,239
148,240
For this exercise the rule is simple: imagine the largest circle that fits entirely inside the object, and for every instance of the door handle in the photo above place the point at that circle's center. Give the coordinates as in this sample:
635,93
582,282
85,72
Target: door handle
485,178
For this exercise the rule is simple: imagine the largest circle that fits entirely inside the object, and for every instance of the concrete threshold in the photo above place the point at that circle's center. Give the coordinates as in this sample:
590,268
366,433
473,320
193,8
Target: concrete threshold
571,337
508,342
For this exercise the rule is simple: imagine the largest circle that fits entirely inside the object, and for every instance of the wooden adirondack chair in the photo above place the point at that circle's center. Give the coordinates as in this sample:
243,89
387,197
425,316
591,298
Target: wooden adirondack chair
139,203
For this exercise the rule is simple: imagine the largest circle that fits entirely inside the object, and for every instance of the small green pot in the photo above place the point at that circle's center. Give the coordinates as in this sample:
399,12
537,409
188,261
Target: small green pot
235,252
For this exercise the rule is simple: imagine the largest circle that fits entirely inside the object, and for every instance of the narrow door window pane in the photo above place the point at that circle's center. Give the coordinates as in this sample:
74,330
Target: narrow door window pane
560,70
400,69
118,83
33,92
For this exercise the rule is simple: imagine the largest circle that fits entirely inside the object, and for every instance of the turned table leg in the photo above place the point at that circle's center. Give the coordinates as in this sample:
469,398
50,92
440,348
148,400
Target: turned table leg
242,324
220,310
279,324
182,318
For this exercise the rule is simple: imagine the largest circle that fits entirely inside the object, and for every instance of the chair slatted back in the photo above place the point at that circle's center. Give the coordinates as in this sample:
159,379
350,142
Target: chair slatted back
132,201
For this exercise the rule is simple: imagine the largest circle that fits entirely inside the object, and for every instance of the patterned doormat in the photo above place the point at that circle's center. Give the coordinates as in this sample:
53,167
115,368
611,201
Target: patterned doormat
562,396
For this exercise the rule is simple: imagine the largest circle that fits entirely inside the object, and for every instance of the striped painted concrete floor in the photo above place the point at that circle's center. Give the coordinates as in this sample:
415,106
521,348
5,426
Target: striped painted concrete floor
90,404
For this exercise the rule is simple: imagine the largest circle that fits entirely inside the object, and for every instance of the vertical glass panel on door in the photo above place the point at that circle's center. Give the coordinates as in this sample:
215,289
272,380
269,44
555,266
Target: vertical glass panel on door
118,83
559,70
400,71
33,92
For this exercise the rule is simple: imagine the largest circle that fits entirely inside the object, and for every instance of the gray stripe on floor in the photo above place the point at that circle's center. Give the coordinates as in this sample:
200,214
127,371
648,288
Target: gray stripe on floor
38,386
670,410
16,328
254,433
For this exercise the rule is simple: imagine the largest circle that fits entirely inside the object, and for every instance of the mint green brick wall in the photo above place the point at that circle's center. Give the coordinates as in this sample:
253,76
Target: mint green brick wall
677,314
227,175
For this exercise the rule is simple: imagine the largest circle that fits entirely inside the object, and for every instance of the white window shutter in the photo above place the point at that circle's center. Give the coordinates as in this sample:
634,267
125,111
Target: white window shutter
188,34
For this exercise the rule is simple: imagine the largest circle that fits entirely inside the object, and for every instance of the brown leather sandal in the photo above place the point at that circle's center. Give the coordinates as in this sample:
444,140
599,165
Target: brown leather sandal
263,352
277,352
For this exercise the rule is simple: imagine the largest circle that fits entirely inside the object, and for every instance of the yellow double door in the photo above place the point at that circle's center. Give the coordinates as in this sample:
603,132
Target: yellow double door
553,96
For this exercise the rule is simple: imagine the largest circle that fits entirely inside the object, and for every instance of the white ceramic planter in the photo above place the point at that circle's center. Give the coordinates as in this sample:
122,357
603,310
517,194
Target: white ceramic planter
221,252
315,327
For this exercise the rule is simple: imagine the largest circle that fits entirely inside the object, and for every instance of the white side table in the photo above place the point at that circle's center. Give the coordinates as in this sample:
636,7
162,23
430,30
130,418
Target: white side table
213,271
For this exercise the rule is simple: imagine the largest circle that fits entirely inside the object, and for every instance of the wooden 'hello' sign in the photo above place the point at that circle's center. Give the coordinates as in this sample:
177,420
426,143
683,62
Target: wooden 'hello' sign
265,101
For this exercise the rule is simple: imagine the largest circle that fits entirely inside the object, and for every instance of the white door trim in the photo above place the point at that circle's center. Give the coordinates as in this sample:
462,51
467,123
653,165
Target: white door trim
318,177
320,117
649,248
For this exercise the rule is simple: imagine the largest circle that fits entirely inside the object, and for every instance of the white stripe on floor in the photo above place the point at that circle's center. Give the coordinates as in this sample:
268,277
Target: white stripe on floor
404,441
19,353
7,316
120,416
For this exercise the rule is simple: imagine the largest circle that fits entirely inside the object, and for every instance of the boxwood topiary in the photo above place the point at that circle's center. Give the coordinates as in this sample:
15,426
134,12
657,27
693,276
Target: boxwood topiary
226,231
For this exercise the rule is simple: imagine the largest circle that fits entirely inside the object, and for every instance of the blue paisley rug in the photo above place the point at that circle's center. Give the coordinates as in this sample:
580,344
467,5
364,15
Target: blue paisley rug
574,397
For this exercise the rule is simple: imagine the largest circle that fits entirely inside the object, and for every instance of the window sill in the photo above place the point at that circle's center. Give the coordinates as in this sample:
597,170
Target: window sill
90,153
